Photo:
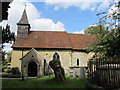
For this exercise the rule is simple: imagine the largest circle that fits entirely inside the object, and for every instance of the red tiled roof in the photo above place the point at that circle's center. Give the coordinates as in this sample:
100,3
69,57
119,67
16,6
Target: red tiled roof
81,41
54,39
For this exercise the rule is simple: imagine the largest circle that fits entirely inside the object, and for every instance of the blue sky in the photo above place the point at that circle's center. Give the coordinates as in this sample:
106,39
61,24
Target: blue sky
73,18
52,15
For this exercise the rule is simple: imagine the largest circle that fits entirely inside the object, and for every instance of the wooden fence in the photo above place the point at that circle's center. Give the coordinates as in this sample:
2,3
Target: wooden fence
104,72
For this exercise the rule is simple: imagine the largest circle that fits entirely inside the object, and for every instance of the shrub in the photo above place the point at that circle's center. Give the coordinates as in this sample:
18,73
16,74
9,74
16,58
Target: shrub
7,70
11,72
15,71
3,68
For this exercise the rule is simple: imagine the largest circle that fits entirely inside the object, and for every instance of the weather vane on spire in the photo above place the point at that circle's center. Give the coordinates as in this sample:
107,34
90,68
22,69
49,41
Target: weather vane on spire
25,6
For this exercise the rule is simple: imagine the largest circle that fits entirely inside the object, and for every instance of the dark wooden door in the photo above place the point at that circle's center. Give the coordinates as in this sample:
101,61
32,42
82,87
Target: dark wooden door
32,69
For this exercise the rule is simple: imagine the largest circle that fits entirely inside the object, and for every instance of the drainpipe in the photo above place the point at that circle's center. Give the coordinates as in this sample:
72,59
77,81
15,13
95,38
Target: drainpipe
22,67
71,58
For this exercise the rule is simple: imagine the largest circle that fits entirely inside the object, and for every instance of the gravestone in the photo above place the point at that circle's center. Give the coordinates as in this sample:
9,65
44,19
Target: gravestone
58,70
77,72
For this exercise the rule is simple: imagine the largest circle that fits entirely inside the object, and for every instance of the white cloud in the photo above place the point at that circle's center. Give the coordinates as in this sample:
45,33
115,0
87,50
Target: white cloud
46,25
103,5
93,25
79,32
64,0
82,4
92,9
15,13
36,21
54,1
82,32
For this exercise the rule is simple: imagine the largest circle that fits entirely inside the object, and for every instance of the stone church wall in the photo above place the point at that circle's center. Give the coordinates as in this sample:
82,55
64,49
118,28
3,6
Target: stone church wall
82,56
65,57
15,62
68,58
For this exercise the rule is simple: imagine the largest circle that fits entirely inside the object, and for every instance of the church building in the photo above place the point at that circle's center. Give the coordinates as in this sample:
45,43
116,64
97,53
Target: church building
33,50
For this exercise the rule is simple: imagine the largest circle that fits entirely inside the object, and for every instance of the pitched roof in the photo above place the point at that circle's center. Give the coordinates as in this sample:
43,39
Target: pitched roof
81,41
32,52
54,39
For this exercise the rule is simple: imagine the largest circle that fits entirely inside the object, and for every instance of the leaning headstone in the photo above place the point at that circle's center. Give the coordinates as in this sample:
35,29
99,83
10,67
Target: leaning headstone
58,70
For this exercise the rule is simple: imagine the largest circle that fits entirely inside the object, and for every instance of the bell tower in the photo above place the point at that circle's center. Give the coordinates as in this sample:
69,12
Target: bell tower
23,25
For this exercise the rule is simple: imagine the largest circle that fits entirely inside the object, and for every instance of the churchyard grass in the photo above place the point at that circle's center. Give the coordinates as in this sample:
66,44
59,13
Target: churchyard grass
43,82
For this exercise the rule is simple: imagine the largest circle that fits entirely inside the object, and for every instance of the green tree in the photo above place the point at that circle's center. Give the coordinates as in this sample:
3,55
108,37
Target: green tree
95,30
108,45
7,35
8,59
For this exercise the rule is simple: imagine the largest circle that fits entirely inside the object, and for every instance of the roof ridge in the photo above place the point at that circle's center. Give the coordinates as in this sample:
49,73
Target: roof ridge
48,31
82,34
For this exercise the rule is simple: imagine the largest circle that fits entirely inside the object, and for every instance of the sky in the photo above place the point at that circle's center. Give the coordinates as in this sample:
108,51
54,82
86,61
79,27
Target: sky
72,16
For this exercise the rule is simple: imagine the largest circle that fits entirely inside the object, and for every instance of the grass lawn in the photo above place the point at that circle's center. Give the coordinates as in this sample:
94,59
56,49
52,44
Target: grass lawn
44,82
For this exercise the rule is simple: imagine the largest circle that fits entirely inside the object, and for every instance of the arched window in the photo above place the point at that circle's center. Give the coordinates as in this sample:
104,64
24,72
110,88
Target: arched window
56,56
77,62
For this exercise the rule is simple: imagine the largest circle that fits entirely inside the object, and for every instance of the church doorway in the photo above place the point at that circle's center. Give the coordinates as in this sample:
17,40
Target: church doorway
32,69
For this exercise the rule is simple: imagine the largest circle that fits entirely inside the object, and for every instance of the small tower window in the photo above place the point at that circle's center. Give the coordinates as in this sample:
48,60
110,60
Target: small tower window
77,62
56,56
